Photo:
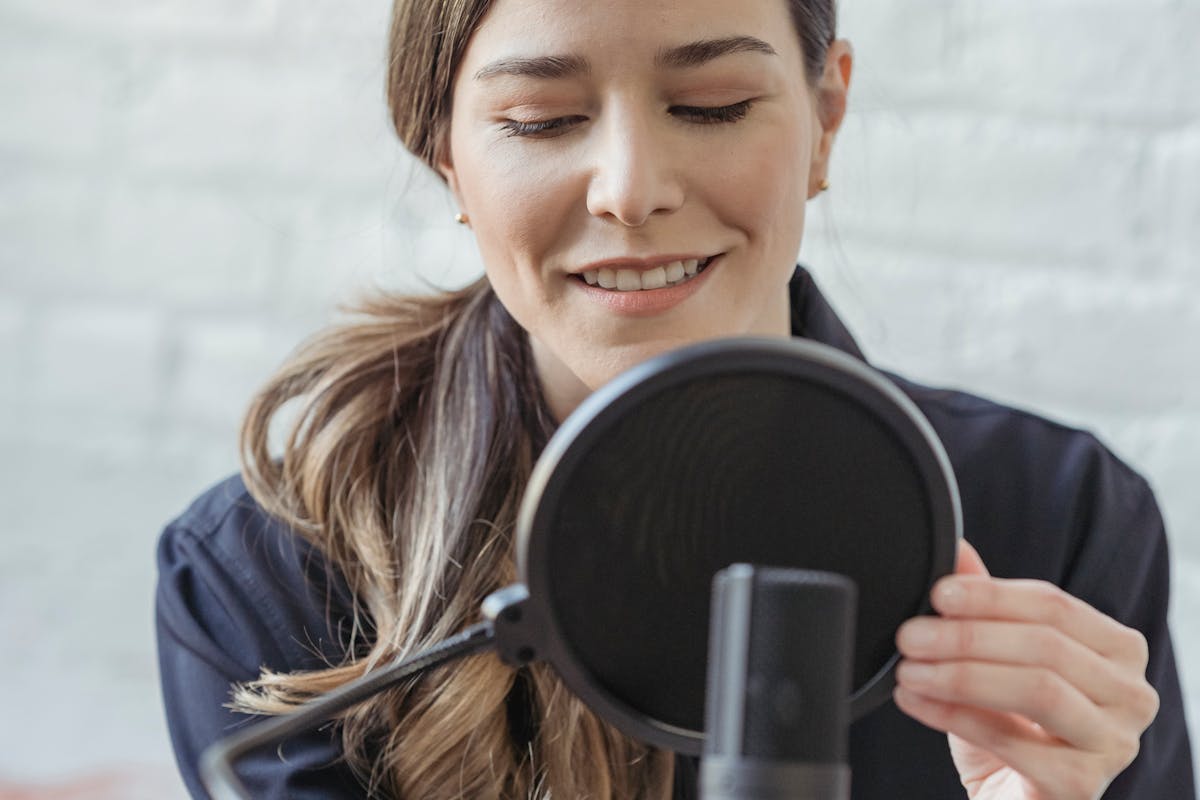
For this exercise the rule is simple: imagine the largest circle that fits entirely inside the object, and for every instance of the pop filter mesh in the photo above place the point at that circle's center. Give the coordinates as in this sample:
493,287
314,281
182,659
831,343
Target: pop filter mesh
758,468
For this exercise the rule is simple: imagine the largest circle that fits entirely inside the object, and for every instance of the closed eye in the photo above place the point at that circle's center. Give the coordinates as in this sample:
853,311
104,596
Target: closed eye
707,116
703,115
517,128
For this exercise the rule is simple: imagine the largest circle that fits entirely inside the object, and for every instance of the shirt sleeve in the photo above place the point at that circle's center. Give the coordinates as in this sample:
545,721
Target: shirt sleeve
1125,573
218,625
1041,500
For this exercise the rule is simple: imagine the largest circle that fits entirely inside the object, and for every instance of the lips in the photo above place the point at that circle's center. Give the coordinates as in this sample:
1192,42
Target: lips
627,279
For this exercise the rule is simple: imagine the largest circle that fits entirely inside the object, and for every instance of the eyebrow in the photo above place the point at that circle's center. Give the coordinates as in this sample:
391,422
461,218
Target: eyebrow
696,53
692,54
545,67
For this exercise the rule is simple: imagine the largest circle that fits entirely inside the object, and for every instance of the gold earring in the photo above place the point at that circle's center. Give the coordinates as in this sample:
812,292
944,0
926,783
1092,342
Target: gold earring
824,187
462,219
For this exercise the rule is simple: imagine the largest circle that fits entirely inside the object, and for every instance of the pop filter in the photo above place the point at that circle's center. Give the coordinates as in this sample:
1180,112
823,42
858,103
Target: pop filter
773,452
782,453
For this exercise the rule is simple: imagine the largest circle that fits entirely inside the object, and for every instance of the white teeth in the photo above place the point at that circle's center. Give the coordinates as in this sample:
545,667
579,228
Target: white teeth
628,280
654,278
632,280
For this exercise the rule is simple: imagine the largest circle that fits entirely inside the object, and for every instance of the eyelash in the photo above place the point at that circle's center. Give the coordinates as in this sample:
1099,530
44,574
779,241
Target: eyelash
700,115
516,128
709,116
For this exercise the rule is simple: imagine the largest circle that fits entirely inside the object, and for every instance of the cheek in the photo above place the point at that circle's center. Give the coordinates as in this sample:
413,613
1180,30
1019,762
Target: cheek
515,210
518,210
762,182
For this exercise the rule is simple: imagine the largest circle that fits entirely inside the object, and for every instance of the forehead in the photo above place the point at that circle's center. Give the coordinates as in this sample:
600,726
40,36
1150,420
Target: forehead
624,33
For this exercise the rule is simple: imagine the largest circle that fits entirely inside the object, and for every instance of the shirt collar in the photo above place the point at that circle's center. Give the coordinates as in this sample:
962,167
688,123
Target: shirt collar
813,317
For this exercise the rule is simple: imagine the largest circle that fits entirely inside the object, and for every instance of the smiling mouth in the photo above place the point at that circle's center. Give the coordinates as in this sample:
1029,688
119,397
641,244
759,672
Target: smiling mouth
634,280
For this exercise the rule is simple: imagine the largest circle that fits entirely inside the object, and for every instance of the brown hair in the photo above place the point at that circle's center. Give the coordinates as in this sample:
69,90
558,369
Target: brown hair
416,427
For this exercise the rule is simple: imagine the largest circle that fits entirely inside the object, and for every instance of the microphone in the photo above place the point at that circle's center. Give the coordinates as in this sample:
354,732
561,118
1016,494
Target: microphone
780,654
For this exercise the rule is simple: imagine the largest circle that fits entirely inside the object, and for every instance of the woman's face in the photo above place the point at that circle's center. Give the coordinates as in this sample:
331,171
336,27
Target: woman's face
636,172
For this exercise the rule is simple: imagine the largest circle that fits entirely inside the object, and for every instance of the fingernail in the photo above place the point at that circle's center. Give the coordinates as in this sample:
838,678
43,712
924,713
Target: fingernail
949,594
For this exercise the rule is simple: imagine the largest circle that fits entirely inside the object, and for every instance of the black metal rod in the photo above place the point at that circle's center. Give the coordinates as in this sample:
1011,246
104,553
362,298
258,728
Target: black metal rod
217,763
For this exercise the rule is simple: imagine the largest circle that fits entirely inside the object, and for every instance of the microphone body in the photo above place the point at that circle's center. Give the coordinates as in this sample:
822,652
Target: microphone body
780,657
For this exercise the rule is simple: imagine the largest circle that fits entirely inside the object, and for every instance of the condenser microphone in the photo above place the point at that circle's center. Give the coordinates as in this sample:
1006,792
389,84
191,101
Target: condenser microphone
780,659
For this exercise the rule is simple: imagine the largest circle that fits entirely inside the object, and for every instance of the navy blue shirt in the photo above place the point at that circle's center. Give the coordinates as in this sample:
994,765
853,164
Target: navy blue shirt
238,591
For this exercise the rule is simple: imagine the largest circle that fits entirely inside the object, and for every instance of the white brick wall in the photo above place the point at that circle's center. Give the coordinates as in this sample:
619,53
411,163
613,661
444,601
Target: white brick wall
187,188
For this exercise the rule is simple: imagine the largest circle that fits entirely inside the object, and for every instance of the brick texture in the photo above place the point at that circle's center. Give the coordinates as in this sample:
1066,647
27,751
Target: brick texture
188,188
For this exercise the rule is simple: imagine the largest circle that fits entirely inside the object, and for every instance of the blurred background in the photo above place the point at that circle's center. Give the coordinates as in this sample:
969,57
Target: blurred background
187,189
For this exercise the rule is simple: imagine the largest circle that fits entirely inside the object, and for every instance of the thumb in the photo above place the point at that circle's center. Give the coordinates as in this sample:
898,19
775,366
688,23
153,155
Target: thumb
969,562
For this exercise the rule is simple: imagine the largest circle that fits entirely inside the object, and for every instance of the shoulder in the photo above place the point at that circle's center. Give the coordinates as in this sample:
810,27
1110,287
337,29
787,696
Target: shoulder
1040,498
238,593
974,428
232,574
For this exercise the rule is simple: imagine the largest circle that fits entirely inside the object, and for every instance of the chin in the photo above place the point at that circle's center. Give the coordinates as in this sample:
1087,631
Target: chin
602,368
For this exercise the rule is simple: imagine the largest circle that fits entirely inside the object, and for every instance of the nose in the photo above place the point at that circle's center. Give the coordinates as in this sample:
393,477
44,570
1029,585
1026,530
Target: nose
634,173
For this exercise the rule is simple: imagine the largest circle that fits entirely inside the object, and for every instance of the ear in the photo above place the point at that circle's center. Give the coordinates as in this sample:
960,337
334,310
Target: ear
831,93
444,164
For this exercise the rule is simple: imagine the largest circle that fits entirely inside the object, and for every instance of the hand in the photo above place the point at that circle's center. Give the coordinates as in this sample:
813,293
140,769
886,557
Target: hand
1043,697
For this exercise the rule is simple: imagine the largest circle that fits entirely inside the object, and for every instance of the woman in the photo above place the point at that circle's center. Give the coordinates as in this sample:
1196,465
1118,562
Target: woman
635,174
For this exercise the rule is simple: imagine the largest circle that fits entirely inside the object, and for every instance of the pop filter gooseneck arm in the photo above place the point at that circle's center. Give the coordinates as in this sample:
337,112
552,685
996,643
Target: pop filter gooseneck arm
508,629
216,766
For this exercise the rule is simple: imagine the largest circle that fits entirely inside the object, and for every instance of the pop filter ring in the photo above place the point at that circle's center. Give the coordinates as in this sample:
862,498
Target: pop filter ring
544,637
521,624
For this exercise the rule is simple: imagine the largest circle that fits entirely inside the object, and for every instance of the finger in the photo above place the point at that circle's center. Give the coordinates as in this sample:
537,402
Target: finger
1051,768
969,562
1040,695
1026,644
1017,600
991,730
